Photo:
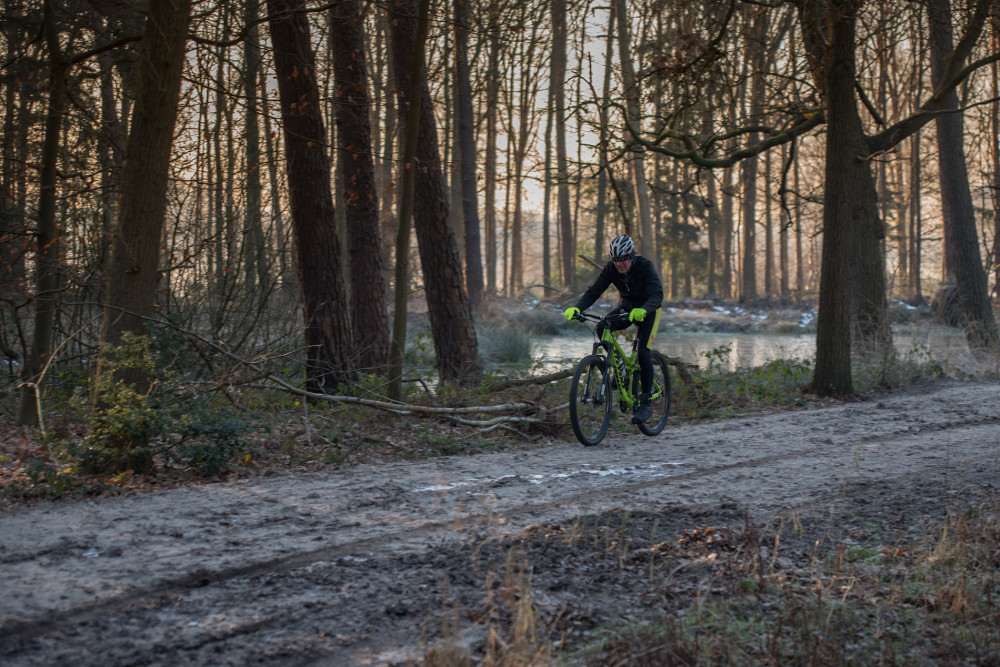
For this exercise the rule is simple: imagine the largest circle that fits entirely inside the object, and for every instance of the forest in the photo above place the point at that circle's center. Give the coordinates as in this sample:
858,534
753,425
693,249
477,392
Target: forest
244,178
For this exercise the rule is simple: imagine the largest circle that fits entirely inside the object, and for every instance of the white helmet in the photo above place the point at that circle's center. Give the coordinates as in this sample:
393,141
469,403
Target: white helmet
622,247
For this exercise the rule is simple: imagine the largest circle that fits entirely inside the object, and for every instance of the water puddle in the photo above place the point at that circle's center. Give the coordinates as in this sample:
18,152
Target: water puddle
646,470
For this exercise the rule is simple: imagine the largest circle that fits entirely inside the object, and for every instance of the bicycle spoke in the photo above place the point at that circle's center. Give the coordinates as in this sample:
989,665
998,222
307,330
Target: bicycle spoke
590,401
660,398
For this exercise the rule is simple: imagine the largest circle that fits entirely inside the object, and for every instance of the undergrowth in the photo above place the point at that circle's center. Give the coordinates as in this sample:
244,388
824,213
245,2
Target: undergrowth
925,601
187,427
798,591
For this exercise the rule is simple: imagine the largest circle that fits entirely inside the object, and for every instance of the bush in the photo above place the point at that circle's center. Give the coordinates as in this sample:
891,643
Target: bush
505,343
135,422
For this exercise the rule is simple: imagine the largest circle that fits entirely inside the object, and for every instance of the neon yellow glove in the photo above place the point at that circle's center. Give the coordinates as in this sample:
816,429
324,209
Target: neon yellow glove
637,315
571,312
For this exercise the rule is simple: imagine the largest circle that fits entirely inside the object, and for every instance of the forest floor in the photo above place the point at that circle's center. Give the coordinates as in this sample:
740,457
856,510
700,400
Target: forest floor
521,555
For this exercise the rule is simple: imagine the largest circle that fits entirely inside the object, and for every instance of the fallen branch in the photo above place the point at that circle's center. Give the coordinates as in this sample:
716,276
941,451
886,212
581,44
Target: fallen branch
491,424
539,379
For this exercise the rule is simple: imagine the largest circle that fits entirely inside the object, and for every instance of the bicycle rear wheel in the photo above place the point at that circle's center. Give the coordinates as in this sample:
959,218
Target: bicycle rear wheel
590,400
660,396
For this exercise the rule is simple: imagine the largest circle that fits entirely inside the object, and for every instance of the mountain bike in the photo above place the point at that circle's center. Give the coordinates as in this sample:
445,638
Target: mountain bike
608,370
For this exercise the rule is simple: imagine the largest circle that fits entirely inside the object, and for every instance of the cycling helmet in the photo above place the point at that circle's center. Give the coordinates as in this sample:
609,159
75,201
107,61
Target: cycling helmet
622,247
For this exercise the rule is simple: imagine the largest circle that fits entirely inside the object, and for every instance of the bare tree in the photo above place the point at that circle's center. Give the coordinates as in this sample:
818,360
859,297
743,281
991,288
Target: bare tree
632,94
467,158
962,258
558,84
455,343
369,319
329,351
48,242
135,250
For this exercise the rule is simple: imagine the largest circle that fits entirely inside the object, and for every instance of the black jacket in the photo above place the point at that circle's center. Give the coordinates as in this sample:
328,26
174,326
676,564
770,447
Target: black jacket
639,288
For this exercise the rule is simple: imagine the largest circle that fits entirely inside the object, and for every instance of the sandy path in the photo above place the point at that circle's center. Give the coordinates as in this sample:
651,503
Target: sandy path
65,566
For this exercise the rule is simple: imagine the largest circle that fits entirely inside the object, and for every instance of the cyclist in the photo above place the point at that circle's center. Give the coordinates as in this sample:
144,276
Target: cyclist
641,294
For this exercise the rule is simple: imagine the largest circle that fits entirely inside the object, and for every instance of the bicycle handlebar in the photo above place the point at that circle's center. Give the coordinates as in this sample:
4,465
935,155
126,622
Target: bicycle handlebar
581,317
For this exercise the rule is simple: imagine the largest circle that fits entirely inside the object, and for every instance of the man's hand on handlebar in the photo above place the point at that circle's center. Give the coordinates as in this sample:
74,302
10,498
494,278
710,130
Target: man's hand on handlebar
571,313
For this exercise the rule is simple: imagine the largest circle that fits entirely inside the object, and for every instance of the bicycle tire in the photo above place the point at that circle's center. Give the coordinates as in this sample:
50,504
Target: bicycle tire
660,399
590,400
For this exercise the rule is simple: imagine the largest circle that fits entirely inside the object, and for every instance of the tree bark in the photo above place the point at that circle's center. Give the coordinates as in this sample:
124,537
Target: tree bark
369,318
329,358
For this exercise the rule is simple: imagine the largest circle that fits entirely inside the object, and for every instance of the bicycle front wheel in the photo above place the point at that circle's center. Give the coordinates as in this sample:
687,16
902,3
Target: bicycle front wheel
660,396
590,400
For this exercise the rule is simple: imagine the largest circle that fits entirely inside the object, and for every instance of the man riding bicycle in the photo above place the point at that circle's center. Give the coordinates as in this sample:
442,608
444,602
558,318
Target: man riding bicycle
641,294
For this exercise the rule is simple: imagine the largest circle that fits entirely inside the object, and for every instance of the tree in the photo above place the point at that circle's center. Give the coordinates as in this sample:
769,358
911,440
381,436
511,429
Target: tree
455,344
254,249
632,94
329,350
962,259
135,249
369,321
852,284
558,84
48,241
467,158
490,167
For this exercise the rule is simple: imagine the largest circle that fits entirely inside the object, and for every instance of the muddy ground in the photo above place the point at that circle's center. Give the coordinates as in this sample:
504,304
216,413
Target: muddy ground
377,564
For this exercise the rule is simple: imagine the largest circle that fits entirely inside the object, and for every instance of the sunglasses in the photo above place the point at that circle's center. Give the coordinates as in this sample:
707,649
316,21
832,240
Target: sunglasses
623,258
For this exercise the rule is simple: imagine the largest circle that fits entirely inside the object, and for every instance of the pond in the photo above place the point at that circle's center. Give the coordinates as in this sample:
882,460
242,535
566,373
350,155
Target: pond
748,350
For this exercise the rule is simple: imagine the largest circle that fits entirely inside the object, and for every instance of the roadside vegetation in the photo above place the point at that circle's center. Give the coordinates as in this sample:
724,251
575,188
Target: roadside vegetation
841,586
208,414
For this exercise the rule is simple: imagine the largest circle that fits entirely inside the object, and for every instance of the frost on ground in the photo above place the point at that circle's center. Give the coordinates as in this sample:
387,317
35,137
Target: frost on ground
375,564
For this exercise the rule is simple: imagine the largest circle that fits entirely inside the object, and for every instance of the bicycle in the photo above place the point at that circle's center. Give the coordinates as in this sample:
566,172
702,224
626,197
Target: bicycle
608,369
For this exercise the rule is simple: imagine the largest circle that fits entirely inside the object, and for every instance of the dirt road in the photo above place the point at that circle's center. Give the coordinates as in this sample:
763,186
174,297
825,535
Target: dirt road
364,565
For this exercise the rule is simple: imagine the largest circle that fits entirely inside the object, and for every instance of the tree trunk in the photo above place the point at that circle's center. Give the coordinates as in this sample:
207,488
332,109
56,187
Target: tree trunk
961,239
784,223
726,233
492,97
849,189
369,318
47,240
995,157
547,196
647,241
455,341
558,83
467,159
329,355
756,33
135,251
600,247
768,231
253,247
916,225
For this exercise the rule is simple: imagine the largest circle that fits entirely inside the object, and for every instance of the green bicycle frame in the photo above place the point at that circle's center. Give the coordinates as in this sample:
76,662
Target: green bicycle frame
614,352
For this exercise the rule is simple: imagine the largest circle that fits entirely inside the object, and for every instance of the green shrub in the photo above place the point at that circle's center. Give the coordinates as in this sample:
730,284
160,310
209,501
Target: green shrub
133,423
